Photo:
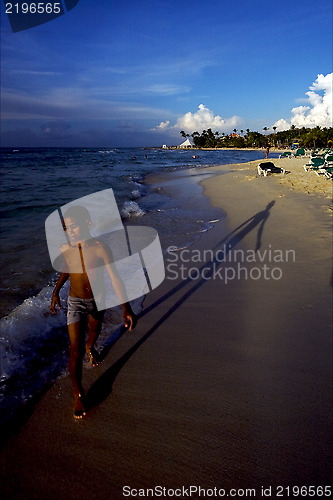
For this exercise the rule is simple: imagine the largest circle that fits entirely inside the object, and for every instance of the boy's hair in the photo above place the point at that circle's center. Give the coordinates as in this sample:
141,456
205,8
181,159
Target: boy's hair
80,214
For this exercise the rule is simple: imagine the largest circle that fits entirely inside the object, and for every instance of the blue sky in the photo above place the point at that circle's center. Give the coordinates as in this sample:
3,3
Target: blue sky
133,73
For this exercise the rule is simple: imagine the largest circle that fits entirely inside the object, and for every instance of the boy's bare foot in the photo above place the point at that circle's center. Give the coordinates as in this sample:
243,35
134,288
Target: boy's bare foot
79,409
93,356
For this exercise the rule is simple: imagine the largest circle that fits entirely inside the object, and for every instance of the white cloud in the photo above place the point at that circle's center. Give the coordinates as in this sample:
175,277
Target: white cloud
282,124
202,119
317,112
165,89
162,126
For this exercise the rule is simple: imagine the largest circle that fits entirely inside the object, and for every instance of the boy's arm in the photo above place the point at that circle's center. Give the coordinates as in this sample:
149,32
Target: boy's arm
55,295
130,319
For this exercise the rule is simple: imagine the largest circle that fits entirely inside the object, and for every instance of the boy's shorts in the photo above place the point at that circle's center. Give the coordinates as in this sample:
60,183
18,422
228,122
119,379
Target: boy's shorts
78,309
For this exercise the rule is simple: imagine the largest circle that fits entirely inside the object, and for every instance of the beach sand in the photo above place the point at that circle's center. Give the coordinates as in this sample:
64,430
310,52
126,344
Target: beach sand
222,384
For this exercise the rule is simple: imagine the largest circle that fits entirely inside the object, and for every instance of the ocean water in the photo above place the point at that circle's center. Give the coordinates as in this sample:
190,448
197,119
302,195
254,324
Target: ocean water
34,183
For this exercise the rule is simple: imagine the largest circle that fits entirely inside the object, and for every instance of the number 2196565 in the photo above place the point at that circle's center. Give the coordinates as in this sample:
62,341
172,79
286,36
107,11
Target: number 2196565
33,8
303,491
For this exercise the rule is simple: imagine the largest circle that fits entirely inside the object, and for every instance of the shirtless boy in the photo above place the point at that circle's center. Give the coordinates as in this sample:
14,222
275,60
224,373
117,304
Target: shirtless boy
85,253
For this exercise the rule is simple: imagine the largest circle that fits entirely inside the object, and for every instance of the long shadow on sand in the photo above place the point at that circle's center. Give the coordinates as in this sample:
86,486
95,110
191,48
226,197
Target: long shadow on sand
102,388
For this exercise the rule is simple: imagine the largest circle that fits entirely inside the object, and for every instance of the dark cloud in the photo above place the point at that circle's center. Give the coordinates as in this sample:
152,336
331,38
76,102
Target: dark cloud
63,134
55,128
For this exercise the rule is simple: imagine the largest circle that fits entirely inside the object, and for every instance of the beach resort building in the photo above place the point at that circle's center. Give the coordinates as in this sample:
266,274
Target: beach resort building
186,144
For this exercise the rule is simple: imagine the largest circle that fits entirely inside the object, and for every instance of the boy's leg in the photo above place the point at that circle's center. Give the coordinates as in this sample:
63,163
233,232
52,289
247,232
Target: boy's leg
76,337
94,329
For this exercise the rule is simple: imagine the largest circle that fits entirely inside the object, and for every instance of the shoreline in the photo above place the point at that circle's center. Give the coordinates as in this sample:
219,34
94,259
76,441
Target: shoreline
220,383
193,148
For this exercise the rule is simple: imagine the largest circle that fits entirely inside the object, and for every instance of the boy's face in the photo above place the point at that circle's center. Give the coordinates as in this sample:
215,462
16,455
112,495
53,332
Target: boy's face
76,232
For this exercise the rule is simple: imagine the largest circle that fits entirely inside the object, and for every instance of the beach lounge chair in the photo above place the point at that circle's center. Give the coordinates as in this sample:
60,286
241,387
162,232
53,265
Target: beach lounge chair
300,153
318,153
329,160
314,164
268,167
329,172
326,171
285,154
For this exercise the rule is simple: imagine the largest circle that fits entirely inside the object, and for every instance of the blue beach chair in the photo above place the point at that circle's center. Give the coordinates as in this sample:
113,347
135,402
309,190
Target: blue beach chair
314,164
326,171
300,153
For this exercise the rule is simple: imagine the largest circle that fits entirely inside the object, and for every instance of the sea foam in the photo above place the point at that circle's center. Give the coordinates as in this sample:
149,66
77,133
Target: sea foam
131,209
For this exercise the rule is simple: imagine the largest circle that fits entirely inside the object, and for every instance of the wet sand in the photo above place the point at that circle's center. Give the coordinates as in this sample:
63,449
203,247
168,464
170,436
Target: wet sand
224,383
